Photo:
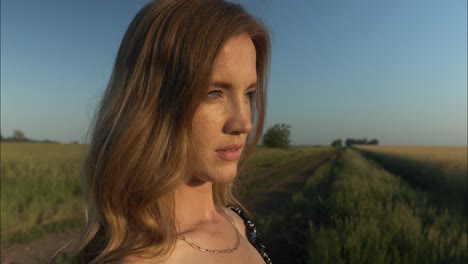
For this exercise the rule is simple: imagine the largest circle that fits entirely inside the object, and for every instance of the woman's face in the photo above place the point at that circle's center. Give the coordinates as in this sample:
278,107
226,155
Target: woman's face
223,120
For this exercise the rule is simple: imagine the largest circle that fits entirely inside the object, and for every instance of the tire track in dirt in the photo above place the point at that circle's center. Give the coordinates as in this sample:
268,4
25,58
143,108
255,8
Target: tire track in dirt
263,203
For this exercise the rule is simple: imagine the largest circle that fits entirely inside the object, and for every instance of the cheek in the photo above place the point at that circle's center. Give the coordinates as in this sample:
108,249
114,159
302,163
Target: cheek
206,127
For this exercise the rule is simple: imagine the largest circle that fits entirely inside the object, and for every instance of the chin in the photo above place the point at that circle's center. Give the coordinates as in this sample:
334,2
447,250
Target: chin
226,179
232,172
217,173
224,176
196,181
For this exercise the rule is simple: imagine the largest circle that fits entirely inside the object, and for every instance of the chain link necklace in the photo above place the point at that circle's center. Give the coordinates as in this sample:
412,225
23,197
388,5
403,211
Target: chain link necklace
216,251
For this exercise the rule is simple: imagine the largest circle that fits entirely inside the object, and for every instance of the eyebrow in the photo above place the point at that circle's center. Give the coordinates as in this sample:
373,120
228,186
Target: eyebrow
227,85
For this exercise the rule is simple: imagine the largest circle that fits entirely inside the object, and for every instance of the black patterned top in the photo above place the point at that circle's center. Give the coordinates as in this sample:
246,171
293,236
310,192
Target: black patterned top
252,234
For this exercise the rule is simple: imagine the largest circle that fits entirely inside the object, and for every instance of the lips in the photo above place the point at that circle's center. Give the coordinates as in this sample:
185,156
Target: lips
230,152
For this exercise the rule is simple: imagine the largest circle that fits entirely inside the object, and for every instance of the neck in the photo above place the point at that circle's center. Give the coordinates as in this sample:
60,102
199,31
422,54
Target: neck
194,205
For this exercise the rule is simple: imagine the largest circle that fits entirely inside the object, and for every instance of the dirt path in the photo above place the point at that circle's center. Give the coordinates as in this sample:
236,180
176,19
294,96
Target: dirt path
42,250
265,202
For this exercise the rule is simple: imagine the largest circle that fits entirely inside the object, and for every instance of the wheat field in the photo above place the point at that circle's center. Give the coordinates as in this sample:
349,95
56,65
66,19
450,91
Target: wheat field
456,156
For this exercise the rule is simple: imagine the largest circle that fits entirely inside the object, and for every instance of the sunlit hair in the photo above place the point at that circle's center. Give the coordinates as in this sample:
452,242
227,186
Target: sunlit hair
140,137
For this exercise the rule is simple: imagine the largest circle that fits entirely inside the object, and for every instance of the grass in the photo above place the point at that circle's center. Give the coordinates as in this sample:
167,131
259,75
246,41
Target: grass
354,211
248,190
270,165
265,159
40,185
442,171
40,188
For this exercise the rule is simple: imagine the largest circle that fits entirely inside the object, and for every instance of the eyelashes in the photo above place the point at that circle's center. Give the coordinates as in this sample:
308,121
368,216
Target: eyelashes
215,94
251,95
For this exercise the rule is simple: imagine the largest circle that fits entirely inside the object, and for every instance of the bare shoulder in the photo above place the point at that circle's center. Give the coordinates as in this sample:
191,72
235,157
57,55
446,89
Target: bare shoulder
237,220
138,260
132,260
176,257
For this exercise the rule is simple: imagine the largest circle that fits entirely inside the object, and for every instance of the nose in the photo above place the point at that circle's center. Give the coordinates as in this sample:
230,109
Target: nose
239,121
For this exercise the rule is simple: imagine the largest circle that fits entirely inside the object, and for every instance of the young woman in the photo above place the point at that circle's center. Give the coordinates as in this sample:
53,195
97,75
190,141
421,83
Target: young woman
183,109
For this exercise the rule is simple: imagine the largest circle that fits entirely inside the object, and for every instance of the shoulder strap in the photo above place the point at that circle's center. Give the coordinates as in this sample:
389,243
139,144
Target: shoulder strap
252,234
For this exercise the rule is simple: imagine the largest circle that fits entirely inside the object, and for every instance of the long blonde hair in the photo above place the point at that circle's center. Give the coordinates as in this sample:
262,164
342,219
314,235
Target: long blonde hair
141,133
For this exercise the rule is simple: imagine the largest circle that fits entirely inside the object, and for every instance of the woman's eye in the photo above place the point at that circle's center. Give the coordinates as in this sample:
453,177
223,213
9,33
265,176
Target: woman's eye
251,95
214,94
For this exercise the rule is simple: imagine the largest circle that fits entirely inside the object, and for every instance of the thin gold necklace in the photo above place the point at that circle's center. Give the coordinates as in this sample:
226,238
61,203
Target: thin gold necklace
216,251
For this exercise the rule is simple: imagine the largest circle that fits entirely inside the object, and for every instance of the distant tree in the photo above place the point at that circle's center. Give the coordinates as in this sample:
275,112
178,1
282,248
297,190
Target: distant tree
48,141
18,135
337,143
277,136
1,136
360,141
364,141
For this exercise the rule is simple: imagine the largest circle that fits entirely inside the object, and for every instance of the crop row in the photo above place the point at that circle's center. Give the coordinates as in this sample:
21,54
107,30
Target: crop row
354,211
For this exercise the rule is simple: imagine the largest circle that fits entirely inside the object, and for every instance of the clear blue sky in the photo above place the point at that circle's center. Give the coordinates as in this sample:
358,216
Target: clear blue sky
395,70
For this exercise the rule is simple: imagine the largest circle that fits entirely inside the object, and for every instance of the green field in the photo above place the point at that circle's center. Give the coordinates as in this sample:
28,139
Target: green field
442,171
367,205
40,186
352,210
40,191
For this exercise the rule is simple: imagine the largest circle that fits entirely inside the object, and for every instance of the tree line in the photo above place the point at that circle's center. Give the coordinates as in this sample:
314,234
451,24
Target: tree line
19,136
278,136
353,141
